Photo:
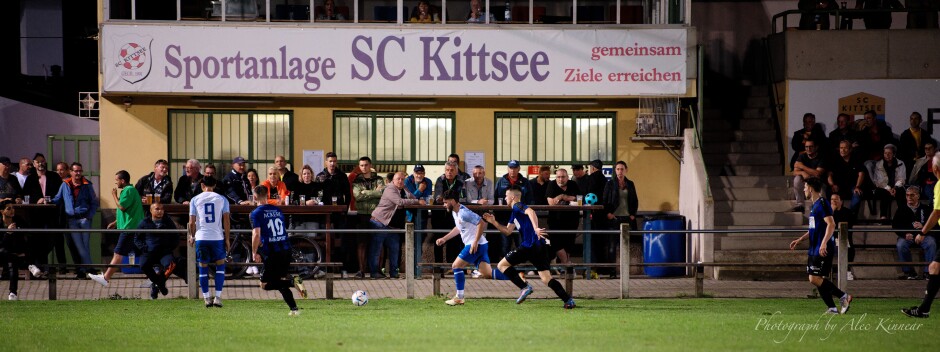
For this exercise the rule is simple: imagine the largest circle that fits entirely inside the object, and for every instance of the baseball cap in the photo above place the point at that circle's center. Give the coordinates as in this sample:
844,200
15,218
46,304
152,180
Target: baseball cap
238,160
597,164
513,164
5,160
419,167
577,167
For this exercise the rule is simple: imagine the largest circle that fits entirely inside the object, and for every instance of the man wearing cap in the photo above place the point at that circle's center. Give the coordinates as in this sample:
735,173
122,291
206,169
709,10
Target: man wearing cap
596,181
419,186
512,179
9,186
236,183
156,183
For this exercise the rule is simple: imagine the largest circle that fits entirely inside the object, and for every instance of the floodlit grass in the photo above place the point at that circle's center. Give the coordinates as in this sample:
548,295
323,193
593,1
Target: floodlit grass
480,325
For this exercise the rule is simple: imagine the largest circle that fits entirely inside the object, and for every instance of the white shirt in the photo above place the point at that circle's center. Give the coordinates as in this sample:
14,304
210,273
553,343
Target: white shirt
209,208
467,222
22,178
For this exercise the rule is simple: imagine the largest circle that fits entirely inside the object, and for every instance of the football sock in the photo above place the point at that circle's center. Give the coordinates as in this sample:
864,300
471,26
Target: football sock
498,275
826,295
513,276
288,298
932,287
219,279
460,278
834,290
559,290
204,280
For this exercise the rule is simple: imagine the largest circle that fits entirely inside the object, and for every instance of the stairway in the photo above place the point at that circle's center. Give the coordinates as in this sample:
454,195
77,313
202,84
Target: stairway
746,174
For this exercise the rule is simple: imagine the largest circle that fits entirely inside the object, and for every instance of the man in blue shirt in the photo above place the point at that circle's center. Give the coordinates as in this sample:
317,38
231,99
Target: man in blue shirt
269,245
534,248
822,248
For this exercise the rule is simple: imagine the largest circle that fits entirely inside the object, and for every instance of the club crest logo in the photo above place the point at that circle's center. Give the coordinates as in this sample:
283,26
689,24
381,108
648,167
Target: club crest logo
133,60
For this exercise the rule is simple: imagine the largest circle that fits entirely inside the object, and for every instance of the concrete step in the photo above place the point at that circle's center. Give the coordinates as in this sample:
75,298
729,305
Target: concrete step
758,101
761,112
761,273
739,136
764,242
750,193
759,219
742,159
750,181
753,206
742,147
882,255
757,124
744,170
744,125
760,90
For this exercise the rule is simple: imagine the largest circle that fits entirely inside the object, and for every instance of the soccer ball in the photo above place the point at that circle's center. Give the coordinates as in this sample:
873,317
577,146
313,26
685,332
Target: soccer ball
360,298
590,199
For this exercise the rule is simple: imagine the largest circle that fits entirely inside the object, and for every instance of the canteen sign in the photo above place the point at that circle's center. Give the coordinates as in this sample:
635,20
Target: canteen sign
393,62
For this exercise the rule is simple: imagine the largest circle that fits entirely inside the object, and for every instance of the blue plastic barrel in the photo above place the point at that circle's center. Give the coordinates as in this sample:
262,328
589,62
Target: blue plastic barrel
663,247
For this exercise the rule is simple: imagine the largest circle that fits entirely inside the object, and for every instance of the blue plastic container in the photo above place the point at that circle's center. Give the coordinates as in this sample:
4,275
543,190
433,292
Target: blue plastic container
663,247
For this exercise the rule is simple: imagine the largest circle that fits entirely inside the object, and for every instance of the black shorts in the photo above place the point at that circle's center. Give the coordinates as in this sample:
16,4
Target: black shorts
128,243
538,256
818,265
275,266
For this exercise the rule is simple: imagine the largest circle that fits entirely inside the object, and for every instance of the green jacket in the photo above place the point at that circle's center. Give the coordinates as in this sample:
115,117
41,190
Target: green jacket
367,192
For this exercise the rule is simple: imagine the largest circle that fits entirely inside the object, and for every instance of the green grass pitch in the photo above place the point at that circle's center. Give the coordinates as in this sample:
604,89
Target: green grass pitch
480,325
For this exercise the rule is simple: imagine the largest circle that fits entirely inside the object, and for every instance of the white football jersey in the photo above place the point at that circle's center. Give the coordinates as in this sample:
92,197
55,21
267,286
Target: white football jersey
467,222
209,209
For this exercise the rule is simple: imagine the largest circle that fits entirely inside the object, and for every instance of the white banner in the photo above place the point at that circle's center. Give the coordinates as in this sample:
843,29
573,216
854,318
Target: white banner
394,62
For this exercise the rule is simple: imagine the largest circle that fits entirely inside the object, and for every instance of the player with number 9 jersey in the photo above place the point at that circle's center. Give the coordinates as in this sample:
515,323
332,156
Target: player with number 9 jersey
209,209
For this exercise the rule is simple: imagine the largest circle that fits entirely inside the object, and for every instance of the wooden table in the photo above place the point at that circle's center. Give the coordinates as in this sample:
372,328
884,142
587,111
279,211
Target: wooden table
183,209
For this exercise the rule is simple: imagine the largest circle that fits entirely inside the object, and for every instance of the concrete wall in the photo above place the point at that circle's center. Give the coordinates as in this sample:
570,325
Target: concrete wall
133,139
25,127
695,201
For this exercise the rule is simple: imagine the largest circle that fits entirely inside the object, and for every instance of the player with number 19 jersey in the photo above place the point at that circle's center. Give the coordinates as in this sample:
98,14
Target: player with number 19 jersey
209,208
271,221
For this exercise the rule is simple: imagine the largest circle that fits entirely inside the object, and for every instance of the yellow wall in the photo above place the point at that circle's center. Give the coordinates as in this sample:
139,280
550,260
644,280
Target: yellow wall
132,140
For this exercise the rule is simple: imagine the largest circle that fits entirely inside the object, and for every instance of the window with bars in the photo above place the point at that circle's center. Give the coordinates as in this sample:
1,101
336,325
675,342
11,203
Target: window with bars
555,137
393,137
217,137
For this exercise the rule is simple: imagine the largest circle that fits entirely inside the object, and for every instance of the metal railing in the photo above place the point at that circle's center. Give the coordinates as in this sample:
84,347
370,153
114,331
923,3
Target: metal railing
851,14
623,265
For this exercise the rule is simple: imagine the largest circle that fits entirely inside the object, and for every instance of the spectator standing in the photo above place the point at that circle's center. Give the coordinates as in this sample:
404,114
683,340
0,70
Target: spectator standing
511,179
811,130
847,176
188,185
9,185
336,184
810,20
620,205
889,176
157,183
878,20
911,143
130,212
597,180
875,134
39,185
562,192
579,176
289,178
77,197
921,174
235,183
23,172
462,176
388,214
12,247
368,187
540,185
310,191
909,219
441,219
420,187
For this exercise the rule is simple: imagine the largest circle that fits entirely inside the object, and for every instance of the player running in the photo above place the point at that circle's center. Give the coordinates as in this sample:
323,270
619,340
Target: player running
476,249
533,248
208,222
269,246
822,249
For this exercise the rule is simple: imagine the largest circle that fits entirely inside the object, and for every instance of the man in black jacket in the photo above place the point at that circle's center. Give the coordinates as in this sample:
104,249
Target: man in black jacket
189,184
289,178
913,216
811,130
236,183
157,183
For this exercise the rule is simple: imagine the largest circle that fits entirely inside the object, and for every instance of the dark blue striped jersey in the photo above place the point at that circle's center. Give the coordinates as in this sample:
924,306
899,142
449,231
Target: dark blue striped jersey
271,221
817,227
524,226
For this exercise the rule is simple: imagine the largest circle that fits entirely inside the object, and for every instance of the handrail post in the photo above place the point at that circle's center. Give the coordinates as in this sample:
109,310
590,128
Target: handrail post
192,278
410,260
52,283
624,260
843,255
699,280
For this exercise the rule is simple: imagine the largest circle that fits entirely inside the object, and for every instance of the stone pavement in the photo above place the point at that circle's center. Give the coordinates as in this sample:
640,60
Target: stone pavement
131,286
